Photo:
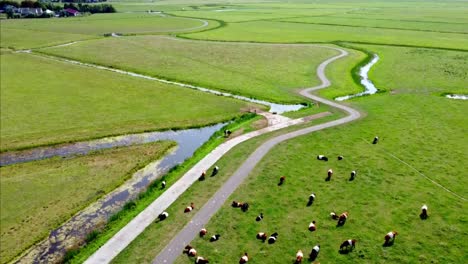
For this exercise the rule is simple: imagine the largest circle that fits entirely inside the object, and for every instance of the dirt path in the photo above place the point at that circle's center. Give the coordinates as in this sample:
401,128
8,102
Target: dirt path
190,231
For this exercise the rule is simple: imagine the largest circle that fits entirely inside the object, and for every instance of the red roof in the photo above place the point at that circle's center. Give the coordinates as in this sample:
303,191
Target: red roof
71,11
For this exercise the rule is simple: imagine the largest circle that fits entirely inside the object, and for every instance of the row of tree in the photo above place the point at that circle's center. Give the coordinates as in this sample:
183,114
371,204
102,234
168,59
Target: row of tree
57,8
84,8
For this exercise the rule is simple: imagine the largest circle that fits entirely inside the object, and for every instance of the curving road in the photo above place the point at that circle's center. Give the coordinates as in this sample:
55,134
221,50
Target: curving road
190,231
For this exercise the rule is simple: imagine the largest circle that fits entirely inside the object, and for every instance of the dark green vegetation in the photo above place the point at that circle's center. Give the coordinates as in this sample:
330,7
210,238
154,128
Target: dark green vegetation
271,72
82,103
38,196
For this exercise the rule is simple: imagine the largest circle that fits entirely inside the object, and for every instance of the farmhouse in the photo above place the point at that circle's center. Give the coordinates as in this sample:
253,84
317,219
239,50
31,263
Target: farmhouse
71,12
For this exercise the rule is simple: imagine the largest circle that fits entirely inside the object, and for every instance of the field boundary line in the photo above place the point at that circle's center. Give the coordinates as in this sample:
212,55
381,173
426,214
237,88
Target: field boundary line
420,173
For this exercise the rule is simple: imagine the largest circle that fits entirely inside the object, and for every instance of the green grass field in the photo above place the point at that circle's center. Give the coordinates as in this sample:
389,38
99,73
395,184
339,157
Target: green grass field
422,47
34,33
38,196
271,72
81,103
386,195
272,31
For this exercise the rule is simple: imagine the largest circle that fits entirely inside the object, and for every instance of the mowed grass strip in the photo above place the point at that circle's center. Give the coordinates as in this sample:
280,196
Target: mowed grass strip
38,196
56,102
99,24
271,31
386,194
271,72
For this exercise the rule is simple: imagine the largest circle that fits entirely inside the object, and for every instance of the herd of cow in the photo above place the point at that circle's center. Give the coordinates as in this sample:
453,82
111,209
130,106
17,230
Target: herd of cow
345,247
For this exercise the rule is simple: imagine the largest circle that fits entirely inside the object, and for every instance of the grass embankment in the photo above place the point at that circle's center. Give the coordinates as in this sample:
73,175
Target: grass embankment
270,72
245,124
35,33
38,196
82,103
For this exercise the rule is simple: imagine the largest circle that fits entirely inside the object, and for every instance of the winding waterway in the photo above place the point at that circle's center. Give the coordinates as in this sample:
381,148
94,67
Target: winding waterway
368,85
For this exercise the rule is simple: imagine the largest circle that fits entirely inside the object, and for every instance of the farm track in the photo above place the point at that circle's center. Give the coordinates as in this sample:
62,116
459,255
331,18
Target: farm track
190,231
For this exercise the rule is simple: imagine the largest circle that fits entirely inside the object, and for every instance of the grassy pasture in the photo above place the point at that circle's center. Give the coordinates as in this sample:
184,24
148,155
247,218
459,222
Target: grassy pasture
394,23
141,251
82,103
99,24
386,195
271,31
271,72
38,196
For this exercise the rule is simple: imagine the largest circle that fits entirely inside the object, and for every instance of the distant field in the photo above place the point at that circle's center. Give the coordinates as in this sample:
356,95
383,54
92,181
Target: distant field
56,102
271,72
33,33
38,196
271,31
389,23
25,39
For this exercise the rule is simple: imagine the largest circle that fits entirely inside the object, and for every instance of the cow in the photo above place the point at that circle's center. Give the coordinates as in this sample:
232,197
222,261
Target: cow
348,245
190,251
424,214
262,236
163,216
340,157
188,209
353,175
215,238
244,259
237,204
201,260
259,217
245,207
282,179
272,238
299,256
202,176
334,216
390,238
203,232
215,171
376,140
322,157
314,253
342,218
227,133
312,226
329,174
163,184
311,199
